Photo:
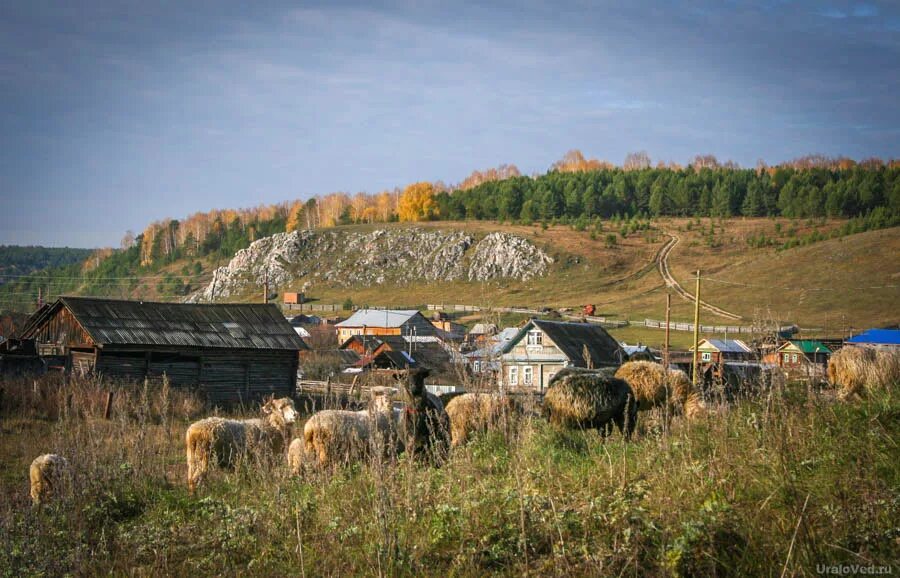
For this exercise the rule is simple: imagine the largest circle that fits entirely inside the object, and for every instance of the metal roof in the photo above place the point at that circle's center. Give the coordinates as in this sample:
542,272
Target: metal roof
877,336
378,318
808,346
727,345
142,323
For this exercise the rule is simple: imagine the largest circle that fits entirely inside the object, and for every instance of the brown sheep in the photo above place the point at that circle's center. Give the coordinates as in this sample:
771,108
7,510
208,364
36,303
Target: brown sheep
855,370
473,412
584,398
48,474
225,440
655,386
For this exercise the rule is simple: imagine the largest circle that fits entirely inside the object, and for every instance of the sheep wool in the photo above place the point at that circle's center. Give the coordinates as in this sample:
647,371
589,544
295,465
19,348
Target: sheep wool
48,474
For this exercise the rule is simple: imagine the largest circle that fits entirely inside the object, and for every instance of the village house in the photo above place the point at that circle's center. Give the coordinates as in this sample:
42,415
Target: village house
542,348
427,351
877,339
798,353
385,322
229,353
480,333
486,359
717,351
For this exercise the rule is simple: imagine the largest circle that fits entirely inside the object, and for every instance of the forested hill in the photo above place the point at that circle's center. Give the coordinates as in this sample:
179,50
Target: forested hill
16,261
179,254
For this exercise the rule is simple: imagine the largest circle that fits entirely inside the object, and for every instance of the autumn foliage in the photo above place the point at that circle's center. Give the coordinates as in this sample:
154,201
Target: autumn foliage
417,203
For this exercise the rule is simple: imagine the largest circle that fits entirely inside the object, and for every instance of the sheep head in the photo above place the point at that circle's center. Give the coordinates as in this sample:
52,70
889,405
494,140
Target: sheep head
280,411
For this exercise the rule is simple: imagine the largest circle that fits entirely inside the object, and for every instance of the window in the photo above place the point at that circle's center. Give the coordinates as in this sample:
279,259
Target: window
787,357
535,338
706,356
794,357
476,367
514,376
527,375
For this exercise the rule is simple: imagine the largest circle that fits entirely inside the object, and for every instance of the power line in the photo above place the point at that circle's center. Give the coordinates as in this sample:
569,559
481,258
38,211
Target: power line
788,287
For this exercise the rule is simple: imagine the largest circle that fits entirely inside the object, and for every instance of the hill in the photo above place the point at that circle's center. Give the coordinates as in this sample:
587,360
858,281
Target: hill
16,261
815,273
832,284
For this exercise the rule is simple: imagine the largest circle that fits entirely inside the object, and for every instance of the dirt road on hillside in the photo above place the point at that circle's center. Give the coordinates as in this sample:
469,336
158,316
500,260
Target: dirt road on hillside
662,263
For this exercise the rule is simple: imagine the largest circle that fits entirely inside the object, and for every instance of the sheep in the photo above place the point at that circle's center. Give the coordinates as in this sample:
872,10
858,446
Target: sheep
656,386
332,437
48,474
226,440
424,426
584,398
471,412
856,370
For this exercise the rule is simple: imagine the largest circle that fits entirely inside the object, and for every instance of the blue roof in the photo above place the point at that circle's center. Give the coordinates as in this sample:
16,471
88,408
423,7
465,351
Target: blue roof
879,336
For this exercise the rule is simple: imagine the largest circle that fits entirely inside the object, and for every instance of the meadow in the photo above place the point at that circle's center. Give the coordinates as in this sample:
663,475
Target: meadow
771,485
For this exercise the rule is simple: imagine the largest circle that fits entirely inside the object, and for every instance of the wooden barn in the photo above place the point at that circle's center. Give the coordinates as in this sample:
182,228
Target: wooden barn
231,353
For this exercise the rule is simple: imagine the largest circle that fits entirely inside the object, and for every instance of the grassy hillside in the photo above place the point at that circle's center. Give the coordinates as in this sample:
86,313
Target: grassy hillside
759,268
817,285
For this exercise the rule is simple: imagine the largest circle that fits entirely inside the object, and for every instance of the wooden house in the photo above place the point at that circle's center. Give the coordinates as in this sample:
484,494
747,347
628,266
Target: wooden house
230,353
385,322
722,350
797,353
427,351
542,348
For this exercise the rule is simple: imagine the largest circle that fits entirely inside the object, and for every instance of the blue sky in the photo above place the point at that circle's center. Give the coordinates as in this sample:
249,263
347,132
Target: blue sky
116,114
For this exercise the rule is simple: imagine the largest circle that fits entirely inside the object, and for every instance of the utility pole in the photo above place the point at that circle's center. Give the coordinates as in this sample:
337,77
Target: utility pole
266,287
666,344
696,329
40,298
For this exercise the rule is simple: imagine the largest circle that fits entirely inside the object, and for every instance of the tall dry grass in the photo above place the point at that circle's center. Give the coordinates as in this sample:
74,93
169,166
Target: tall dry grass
772,485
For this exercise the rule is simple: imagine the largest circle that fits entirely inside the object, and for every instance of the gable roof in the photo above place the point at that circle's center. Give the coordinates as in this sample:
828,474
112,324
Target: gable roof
379,318
725,345
572,339
219,325
878,337
807,346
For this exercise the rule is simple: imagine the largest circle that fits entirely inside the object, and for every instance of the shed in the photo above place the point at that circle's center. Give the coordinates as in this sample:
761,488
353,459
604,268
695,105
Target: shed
231,353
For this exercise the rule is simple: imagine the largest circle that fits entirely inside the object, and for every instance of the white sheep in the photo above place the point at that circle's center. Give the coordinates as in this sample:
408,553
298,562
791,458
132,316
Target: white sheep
227,439
333,437
48,474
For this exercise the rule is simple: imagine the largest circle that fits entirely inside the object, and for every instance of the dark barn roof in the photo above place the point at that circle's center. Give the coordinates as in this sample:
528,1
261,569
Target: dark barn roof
572,338
143,323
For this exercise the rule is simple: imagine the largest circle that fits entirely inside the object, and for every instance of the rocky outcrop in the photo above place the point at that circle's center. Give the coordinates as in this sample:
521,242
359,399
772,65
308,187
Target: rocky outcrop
399,256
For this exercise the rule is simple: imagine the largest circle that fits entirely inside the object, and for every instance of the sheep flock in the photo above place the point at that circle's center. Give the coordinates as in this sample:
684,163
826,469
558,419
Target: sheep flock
409,419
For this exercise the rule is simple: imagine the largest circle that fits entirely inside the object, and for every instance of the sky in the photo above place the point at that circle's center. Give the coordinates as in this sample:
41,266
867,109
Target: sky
115,114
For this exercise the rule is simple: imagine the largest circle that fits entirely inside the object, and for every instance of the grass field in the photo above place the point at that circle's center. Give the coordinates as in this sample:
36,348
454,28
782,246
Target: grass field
770,486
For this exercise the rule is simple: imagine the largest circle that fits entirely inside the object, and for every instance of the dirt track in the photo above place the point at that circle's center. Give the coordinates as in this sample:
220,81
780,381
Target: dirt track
662,263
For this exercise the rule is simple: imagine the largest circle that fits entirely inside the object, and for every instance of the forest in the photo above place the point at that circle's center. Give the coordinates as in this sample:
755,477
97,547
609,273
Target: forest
575,191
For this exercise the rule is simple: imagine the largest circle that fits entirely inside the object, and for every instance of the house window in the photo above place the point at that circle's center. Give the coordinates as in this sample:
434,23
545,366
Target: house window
794,357
527,375
476,367
514,376
787,357
706,356
535,338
